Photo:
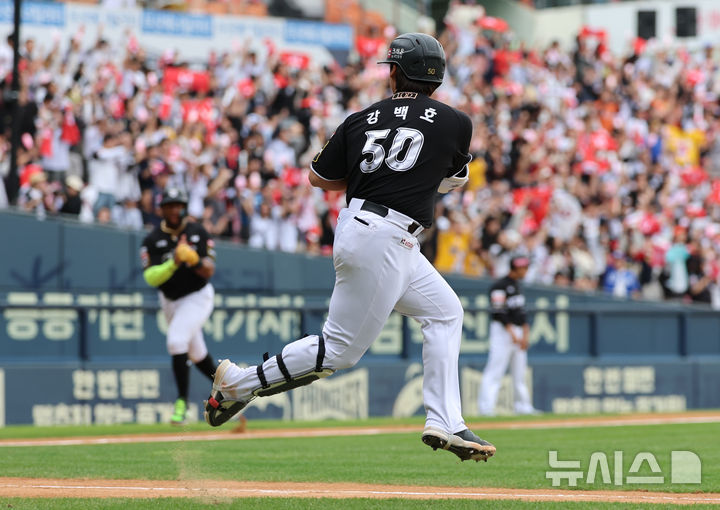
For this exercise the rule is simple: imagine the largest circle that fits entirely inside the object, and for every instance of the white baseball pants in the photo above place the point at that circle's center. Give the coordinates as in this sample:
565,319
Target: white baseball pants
185,318
504,352
378,269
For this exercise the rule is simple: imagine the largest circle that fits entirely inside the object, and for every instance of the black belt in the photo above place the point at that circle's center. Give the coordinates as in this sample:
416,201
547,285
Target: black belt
381,210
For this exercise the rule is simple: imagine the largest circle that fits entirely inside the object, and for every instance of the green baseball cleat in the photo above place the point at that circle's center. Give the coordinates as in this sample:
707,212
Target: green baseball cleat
179,416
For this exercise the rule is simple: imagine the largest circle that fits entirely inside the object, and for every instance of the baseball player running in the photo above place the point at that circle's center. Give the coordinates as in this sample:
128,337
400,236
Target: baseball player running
178,258
509,332
391,159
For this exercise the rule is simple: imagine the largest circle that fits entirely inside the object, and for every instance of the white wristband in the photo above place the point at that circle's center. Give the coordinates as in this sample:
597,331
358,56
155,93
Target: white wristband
455,181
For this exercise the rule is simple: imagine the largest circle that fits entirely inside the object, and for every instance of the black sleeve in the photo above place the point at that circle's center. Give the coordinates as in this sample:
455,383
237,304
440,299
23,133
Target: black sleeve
206,246
329,163
498,305
519,313
148,255
462,155
523,317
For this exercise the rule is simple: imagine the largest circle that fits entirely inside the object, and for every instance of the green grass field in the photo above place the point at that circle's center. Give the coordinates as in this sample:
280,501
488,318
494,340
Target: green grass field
398,458
314,504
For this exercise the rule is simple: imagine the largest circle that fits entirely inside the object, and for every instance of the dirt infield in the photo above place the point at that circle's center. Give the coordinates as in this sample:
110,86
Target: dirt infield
221,490
208,490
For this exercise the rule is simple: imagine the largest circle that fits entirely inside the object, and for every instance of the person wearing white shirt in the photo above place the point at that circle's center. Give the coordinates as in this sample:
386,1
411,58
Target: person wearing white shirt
104,172
264,231
6,57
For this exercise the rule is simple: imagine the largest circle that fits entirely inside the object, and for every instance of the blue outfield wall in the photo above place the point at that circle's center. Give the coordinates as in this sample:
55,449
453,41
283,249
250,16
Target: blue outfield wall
143,392
77,313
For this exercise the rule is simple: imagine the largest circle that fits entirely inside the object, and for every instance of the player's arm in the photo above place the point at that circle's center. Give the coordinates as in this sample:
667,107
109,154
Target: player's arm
327,169
160,273
498,306
205,267
327,185
525,341
454,181
156,272
460,172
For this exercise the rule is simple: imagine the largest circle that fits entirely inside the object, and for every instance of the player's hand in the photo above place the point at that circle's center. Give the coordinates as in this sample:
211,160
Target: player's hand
523,343
178,258
187,255
184,253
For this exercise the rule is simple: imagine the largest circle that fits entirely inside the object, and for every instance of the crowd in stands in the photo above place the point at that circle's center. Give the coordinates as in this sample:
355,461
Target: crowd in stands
604,168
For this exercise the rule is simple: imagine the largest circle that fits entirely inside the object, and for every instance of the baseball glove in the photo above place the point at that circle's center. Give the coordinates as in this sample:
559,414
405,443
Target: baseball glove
186,254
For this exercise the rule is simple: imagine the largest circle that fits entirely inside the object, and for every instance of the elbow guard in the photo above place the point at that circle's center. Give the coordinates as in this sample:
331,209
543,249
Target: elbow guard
456,181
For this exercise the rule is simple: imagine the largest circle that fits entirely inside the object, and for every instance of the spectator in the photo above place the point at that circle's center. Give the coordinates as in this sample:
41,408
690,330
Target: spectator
127,215
619,280
148,209
699,276
104,216
35,195
72,203
577,153
105,171
677,278
264,231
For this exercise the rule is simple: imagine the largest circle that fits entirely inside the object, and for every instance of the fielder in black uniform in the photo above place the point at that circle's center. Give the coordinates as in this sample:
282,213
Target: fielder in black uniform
178,258
391,159
509,334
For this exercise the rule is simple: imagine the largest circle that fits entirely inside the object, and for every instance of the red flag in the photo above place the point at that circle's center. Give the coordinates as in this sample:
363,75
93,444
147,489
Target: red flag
368,46
28,171
246,87
693,176
714,196
295,59
165,107
70,131
196,81
46,142
494,24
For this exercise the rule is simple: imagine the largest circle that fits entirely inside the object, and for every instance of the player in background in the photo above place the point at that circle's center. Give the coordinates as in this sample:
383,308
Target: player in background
391,159
178,259
509,334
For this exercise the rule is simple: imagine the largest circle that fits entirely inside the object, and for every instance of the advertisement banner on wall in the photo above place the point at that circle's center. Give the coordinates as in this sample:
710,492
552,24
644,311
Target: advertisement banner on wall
111,393
192,35
102,325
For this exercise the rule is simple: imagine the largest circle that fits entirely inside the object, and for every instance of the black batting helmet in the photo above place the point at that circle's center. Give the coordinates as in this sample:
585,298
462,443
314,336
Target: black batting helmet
419,56
174,196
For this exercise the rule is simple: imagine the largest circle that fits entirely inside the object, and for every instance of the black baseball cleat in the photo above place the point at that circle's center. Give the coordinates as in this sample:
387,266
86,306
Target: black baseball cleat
464,444
218,409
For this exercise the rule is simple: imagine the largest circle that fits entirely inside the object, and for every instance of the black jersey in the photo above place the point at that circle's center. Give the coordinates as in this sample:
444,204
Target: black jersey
507,302
159,246
396,152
